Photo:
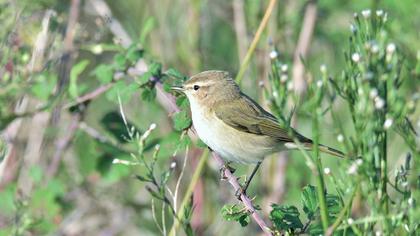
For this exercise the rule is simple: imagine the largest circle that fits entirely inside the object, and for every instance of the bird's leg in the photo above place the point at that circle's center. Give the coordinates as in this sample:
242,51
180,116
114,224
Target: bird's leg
243,189
224,167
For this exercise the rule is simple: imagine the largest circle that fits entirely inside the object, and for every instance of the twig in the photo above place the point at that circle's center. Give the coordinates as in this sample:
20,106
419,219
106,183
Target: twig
240,27
302,47
62,144
255,41
244,198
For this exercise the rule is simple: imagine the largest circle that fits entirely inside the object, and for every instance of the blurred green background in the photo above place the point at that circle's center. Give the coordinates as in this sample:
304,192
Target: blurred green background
57,176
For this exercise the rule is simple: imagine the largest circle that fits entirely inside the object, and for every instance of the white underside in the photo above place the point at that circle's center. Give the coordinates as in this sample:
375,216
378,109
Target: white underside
230,143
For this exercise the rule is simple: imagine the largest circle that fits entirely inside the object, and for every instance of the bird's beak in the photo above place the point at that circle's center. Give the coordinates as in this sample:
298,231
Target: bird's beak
178,88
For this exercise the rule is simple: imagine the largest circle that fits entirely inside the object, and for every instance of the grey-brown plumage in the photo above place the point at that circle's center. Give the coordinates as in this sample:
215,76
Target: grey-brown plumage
234,125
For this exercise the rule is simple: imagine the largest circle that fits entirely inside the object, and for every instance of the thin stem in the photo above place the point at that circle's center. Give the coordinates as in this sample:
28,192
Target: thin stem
342,213
190,189
255,41
319,177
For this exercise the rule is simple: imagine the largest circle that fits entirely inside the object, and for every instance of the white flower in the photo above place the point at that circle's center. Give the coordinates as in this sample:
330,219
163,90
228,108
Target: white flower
97,49
327,171
373,93
275,94
319,83
379,13
284,67
375,48
152,126
323,68
388,122
340,138
378,233
410,201
290,86
379,103
350,221
359,162
355,57
273,54
261,83
390,48
283,78
366,13
352,169
173,165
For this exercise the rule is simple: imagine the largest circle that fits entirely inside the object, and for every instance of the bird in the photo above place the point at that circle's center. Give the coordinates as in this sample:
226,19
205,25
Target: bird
235,126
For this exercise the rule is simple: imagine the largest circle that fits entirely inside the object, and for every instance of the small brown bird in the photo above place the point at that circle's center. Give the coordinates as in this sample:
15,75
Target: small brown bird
232,124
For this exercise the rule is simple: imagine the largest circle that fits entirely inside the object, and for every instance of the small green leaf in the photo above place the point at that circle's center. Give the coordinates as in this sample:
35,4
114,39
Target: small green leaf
75,71
285,217
233,212
142,178
148,94
148,26
104,73
181,120
155,69
244,220
182,102
134,54
310,201
333,205
120,61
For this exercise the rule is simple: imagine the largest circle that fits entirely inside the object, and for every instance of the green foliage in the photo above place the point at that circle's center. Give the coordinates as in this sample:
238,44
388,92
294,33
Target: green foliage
235,212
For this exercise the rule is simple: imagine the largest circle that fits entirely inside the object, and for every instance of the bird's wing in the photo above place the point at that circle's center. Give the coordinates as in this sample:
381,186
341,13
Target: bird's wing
247,116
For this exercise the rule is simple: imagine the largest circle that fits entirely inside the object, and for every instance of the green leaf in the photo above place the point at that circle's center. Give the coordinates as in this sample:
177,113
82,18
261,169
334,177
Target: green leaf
75,71
181,120
104,73
134,54
182,102
45,84
120,61
333,205
310,201
148,94
155,69
285,217
148,26
142,178
244,220
233,212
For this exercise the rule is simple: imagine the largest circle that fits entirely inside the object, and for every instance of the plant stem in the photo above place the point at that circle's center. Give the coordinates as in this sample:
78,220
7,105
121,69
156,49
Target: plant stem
319,177
190,189
340,217
255,41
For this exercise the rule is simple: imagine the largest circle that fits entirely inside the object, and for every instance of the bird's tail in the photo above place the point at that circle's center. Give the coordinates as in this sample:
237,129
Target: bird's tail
322,148
326,149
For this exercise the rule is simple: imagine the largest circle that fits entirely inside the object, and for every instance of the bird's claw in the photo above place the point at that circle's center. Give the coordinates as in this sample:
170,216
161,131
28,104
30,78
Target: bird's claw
226,167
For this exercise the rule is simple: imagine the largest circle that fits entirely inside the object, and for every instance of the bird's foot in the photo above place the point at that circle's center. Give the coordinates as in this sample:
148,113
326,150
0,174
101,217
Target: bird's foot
226,167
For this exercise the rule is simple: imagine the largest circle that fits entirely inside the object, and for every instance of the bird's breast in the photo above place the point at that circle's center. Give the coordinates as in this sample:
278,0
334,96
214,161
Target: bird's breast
232,144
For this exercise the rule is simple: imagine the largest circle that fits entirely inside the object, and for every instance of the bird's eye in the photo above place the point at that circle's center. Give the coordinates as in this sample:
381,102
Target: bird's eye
196,87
